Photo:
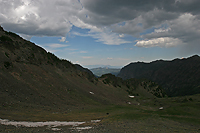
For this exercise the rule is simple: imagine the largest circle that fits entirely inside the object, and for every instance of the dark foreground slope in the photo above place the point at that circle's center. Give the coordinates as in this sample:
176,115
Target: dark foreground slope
178,77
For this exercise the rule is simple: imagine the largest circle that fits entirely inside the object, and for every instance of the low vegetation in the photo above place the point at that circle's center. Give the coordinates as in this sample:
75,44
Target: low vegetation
134,85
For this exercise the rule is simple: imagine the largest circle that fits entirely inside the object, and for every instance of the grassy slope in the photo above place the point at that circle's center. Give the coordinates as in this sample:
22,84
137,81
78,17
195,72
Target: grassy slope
179,115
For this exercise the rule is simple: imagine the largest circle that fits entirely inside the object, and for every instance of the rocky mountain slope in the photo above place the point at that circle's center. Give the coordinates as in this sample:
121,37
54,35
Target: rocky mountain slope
178,77
31,77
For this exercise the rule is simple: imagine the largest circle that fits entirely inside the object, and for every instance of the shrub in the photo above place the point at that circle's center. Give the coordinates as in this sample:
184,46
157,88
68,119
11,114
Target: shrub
5,39
7,54
7,42
7,64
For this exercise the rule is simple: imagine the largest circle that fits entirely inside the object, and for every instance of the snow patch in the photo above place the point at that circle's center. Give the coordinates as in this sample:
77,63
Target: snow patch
39,124
95,121
92,93
131,96
50,124
55,129
81,128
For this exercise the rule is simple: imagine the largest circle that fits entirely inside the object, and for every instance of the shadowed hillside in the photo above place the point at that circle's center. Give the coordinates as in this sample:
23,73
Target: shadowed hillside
30,77
135,87
178,77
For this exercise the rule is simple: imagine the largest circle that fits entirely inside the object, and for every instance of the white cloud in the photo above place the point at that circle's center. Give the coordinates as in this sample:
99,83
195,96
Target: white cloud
106,36
25,10
79,52
185,28
106,21
87,57
121,35
52,18
56,45
83,52
130,27
102,34
38,18
109,58
159,42
162,30
109,38
123,59
79,23
63,39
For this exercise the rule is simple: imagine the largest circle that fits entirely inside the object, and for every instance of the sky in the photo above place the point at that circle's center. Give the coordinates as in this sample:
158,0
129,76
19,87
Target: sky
107,32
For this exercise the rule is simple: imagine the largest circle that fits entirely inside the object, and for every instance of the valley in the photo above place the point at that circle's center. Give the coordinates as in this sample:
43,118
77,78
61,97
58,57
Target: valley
37,86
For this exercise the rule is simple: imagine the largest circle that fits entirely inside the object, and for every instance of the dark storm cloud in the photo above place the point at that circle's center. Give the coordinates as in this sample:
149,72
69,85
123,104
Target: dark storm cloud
153,12
110,7
189,6
126,9
173,20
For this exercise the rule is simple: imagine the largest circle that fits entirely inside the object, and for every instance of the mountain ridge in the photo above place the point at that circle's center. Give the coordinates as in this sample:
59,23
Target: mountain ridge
175,76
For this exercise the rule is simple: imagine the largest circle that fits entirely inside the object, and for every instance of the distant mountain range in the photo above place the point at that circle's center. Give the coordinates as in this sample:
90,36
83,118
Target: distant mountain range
105,70
178,77
102,66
